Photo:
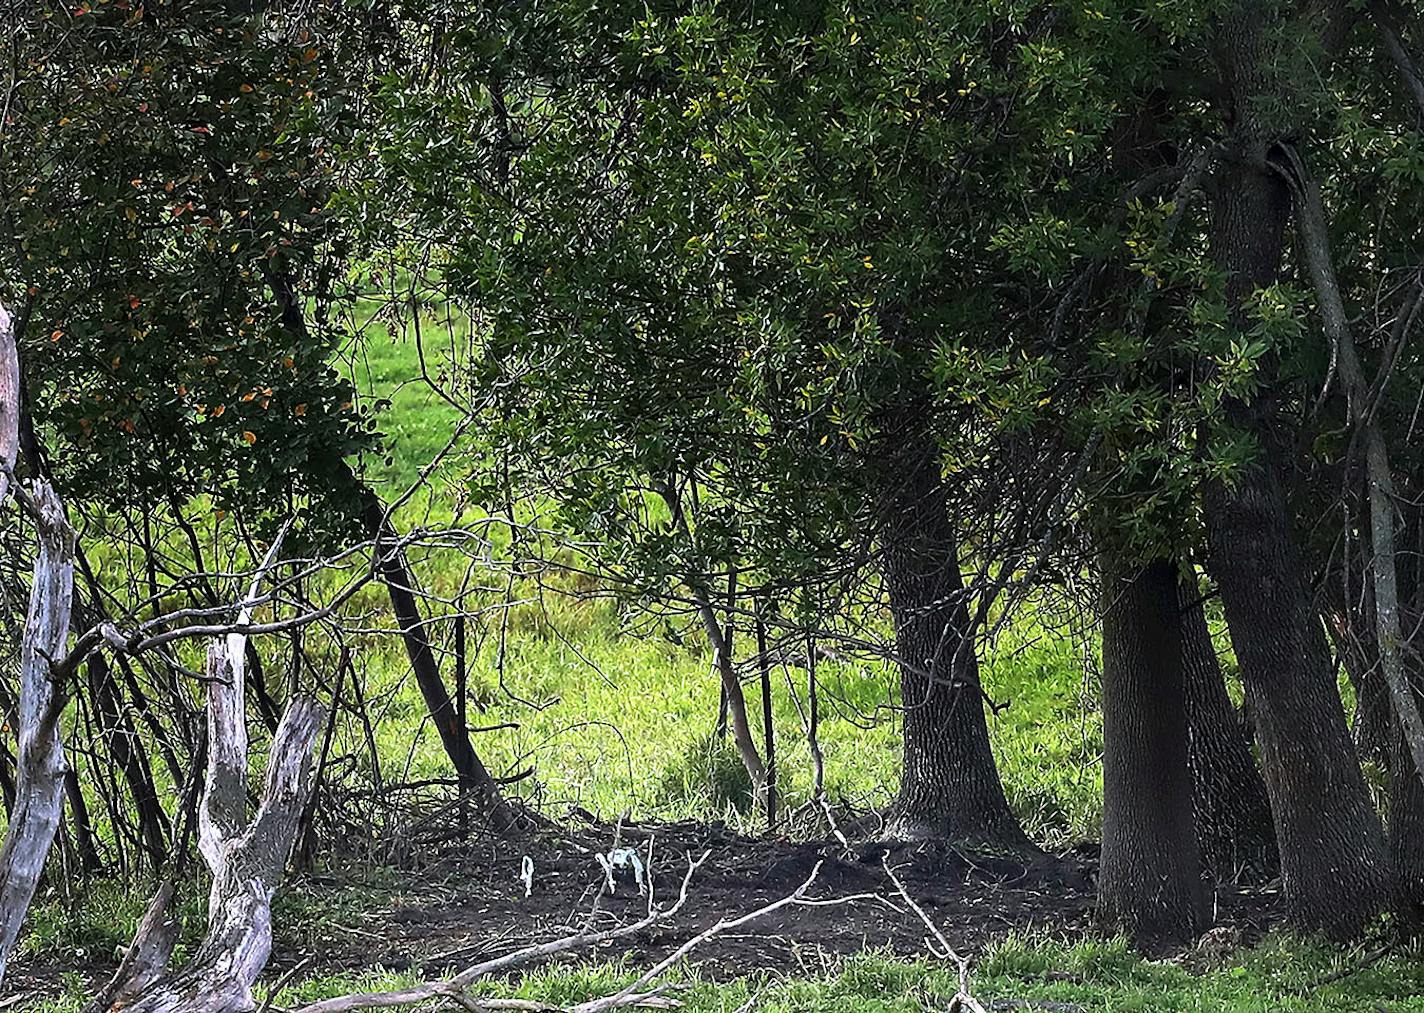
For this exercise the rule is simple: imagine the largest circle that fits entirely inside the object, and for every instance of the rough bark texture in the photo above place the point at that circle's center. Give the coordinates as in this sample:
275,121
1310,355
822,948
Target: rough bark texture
1149,879
1329,835
1229,803
949,784
40,765
1406,831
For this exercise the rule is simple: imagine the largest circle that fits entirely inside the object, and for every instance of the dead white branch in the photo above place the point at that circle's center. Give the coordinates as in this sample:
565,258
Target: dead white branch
962,999
1379,478
39,782
9,401
247,858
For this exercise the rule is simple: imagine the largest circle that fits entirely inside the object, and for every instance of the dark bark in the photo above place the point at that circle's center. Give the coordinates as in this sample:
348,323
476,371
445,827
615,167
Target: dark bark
768,729
455,737
1329,835
400,583
79,819
949,785
1149,880
1405,830
127,752
1229,803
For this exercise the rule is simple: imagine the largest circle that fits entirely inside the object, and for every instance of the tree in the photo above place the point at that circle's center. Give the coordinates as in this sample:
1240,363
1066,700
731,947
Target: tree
1149,879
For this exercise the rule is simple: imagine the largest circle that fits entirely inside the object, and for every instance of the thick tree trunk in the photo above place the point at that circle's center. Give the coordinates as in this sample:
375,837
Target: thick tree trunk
454,736
1229,803
1406,829
41,766
1149,879
949,785
1329,835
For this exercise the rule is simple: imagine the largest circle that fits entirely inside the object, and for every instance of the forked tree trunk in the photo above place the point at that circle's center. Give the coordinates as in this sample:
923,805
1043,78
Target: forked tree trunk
40,766
949,784
247,859
1149,879
1229,803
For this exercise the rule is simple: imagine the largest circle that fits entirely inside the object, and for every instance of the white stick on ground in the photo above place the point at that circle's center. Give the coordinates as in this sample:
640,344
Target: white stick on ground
962,999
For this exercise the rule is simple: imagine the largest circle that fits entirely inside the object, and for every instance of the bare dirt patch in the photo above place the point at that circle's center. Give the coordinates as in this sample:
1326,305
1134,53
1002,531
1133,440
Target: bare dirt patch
467,903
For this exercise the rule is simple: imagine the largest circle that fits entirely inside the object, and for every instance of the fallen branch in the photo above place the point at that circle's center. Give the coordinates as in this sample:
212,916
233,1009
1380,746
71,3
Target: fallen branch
963,999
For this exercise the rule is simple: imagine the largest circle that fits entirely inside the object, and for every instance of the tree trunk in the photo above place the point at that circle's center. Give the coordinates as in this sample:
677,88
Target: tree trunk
949,785
84,844
1406,828
1229,803
454,736
1329,835
1149,879
247,859
41,766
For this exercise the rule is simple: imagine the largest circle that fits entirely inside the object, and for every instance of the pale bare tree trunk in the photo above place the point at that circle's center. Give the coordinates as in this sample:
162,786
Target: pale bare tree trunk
247,858
1379,477
9,401
41,766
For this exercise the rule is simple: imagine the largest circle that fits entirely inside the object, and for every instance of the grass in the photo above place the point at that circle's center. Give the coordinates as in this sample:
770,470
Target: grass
1282,975
622,725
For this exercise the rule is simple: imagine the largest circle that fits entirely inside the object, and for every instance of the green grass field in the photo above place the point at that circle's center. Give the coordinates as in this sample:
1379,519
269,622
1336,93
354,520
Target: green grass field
623,728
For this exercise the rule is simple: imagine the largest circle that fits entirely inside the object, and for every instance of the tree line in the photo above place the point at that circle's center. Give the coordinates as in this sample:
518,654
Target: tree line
785,317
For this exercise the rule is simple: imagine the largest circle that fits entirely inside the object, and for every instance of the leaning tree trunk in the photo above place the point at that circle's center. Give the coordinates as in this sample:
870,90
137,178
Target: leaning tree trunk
474,777
1229,803
1329,835
949,785
40,767
400,584
247,859
1149,878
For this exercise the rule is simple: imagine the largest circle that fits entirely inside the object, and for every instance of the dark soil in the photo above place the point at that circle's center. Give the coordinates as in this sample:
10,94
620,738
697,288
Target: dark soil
467,904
